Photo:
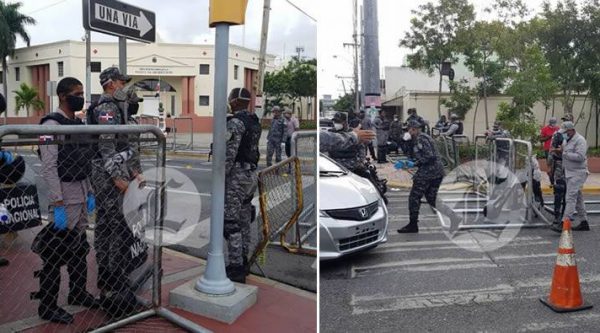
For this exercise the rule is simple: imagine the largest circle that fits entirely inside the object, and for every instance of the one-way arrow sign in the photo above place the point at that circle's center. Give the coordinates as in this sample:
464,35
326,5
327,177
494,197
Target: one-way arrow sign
119,19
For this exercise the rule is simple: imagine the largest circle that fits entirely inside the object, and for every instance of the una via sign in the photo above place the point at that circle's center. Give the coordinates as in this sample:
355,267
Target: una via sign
120,19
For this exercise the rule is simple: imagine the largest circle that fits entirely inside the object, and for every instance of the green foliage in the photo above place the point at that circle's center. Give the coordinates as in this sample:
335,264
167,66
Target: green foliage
297,79
518,120
12,24
345,103
461,99
26,98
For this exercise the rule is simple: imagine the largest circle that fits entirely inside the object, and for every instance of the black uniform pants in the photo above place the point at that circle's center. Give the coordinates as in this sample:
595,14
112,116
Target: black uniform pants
429,189
382,154
371,150
288,146
50,278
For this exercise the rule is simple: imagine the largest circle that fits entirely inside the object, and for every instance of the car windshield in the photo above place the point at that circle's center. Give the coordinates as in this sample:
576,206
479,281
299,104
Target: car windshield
328,167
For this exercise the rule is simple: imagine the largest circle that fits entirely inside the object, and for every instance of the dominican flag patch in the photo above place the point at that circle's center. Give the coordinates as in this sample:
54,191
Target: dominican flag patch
46,138
106,117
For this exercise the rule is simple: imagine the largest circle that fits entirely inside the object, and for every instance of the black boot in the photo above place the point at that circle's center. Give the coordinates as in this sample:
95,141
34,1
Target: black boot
583,226
411,228
236,273
3,261
56,315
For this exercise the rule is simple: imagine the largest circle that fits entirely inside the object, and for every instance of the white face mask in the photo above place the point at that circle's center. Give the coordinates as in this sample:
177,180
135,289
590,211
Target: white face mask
406,137
338,127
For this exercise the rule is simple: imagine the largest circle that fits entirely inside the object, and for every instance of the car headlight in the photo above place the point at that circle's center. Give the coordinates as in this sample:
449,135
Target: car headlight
322,213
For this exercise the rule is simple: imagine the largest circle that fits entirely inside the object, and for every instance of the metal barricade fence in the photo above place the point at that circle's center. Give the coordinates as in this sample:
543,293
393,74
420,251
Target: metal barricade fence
304,147
524,171
46,199
280,202
186,139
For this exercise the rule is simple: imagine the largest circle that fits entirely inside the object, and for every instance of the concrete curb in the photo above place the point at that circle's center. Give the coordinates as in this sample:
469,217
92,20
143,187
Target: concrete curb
591,189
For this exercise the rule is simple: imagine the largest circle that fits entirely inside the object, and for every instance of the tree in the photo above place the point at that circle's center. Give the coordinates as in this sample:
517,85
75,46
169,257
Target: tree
461,99
479,44
297,79
26,98
12,24
345,103
559,35
433,35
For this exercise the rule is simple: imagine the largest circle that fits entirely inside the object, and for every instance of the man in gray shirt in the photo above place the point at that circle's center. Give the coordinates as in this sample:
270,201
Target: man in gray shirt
574,150
367,125
66,169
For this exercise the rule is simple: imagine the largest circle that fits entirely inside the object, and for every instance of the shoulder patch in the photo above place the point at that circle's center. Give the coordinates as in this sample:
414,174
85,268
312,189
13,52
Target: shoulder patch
106,117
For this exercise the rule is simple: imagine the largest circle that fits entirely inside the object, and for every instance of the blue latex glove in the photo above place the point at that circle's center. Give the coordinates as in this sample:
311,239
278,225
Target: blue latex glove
60,218
399,165
91,203
7,157
410,164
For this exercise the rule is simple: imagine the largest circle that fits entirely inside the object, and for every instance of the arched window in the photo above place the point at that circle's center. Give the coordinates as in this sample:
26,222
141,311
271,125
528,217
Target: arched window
153,85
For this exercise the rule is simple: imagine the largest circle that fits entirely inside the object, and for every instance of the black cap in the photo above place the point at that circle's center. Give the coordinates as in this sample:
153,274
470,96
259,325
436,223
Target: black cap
340,117
240,93
414,124
113,74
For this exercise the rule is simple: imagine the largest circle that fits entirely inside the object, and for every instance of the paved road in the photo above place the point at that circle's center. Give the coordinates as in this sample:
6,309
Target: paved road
426,283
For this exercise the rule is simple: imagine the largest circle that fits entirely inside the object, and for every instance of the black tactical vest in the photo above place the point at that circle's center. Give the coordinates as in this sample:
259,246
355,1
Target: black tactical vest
248,150
74,158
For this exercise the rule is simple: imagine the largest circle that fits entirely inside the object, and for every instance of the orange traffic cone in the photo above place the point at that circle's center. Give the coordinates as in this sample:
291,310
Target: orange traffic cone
565,294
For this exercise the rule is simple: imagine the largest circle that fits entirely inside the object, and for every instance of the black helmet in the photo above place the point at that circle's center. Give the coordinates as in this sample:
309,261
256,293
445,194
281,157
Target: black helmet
340,117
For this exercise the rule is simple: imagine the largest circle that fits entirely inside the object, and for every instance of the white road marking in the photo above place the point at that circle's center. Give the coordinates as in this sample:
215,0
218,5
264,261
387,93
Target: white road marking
457,242
455,247
526,289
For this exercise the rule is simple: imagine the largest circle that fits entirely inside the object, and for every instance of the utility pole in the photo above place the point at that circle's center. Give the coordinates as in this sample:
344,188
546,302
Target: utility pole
355,36
259,107
362,55
371,85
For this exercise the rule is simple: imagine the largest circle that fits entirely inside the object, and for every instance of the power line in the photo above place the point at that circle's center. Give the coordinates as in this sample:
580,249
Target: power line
46,7
302,11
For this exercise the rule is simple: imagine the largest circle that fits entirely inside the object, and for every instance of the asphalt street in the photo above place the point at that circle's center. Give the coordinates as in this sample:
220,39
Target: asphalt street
188,211
427,283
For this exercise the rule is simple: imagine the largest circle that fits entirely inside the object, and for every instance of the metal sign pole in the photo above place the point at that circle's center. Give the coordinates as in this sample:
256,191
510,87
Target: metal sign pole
123,54
88,66
215,281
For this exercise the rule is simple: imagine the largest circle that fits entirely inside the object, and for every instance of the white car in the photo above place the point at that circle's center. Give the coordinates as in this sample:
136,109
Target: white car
352,215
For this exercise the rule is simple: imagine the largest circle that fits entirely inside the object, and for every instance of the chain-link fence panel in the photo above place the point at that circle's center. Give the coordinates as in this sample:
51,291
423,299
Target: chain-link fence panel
182,134
304,147
280,204
78,204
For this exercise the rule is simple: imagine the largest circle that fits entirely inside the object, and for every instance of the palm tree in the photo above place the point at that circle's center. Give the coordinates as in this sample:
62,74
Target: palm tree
26,98
12,24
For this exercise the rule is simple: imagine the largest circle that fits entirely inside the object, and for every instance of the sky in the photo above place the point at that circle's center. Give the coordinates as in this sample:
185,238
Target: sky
185,21
394,21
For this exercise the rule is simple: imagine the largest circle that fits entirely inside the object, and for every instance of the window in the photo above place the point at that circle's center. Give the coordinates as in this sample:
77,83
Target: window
204,100
61,69
96,66
204,69
17,74
235,71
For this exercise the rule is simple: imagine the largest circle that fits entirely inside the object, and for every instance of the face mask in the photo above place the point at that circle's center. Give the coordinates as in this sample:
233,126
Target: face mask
75,102
133,108
338,127
120,95
565,137
406,137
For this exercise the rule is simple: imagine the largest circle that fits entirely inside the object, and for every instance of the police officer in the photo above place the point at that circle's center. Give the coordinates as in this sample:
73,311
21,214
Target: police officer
456,126
367,125
396,132
382,127
3,261
557,173
66,168
427,179
342,140
115,165
353,157
574,158
413,116
277,135
242,156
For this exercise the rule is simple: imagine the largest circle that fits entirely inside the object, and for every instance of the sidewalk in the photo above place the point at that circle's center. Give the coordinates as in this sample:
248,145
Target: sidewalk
279,307
402,179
